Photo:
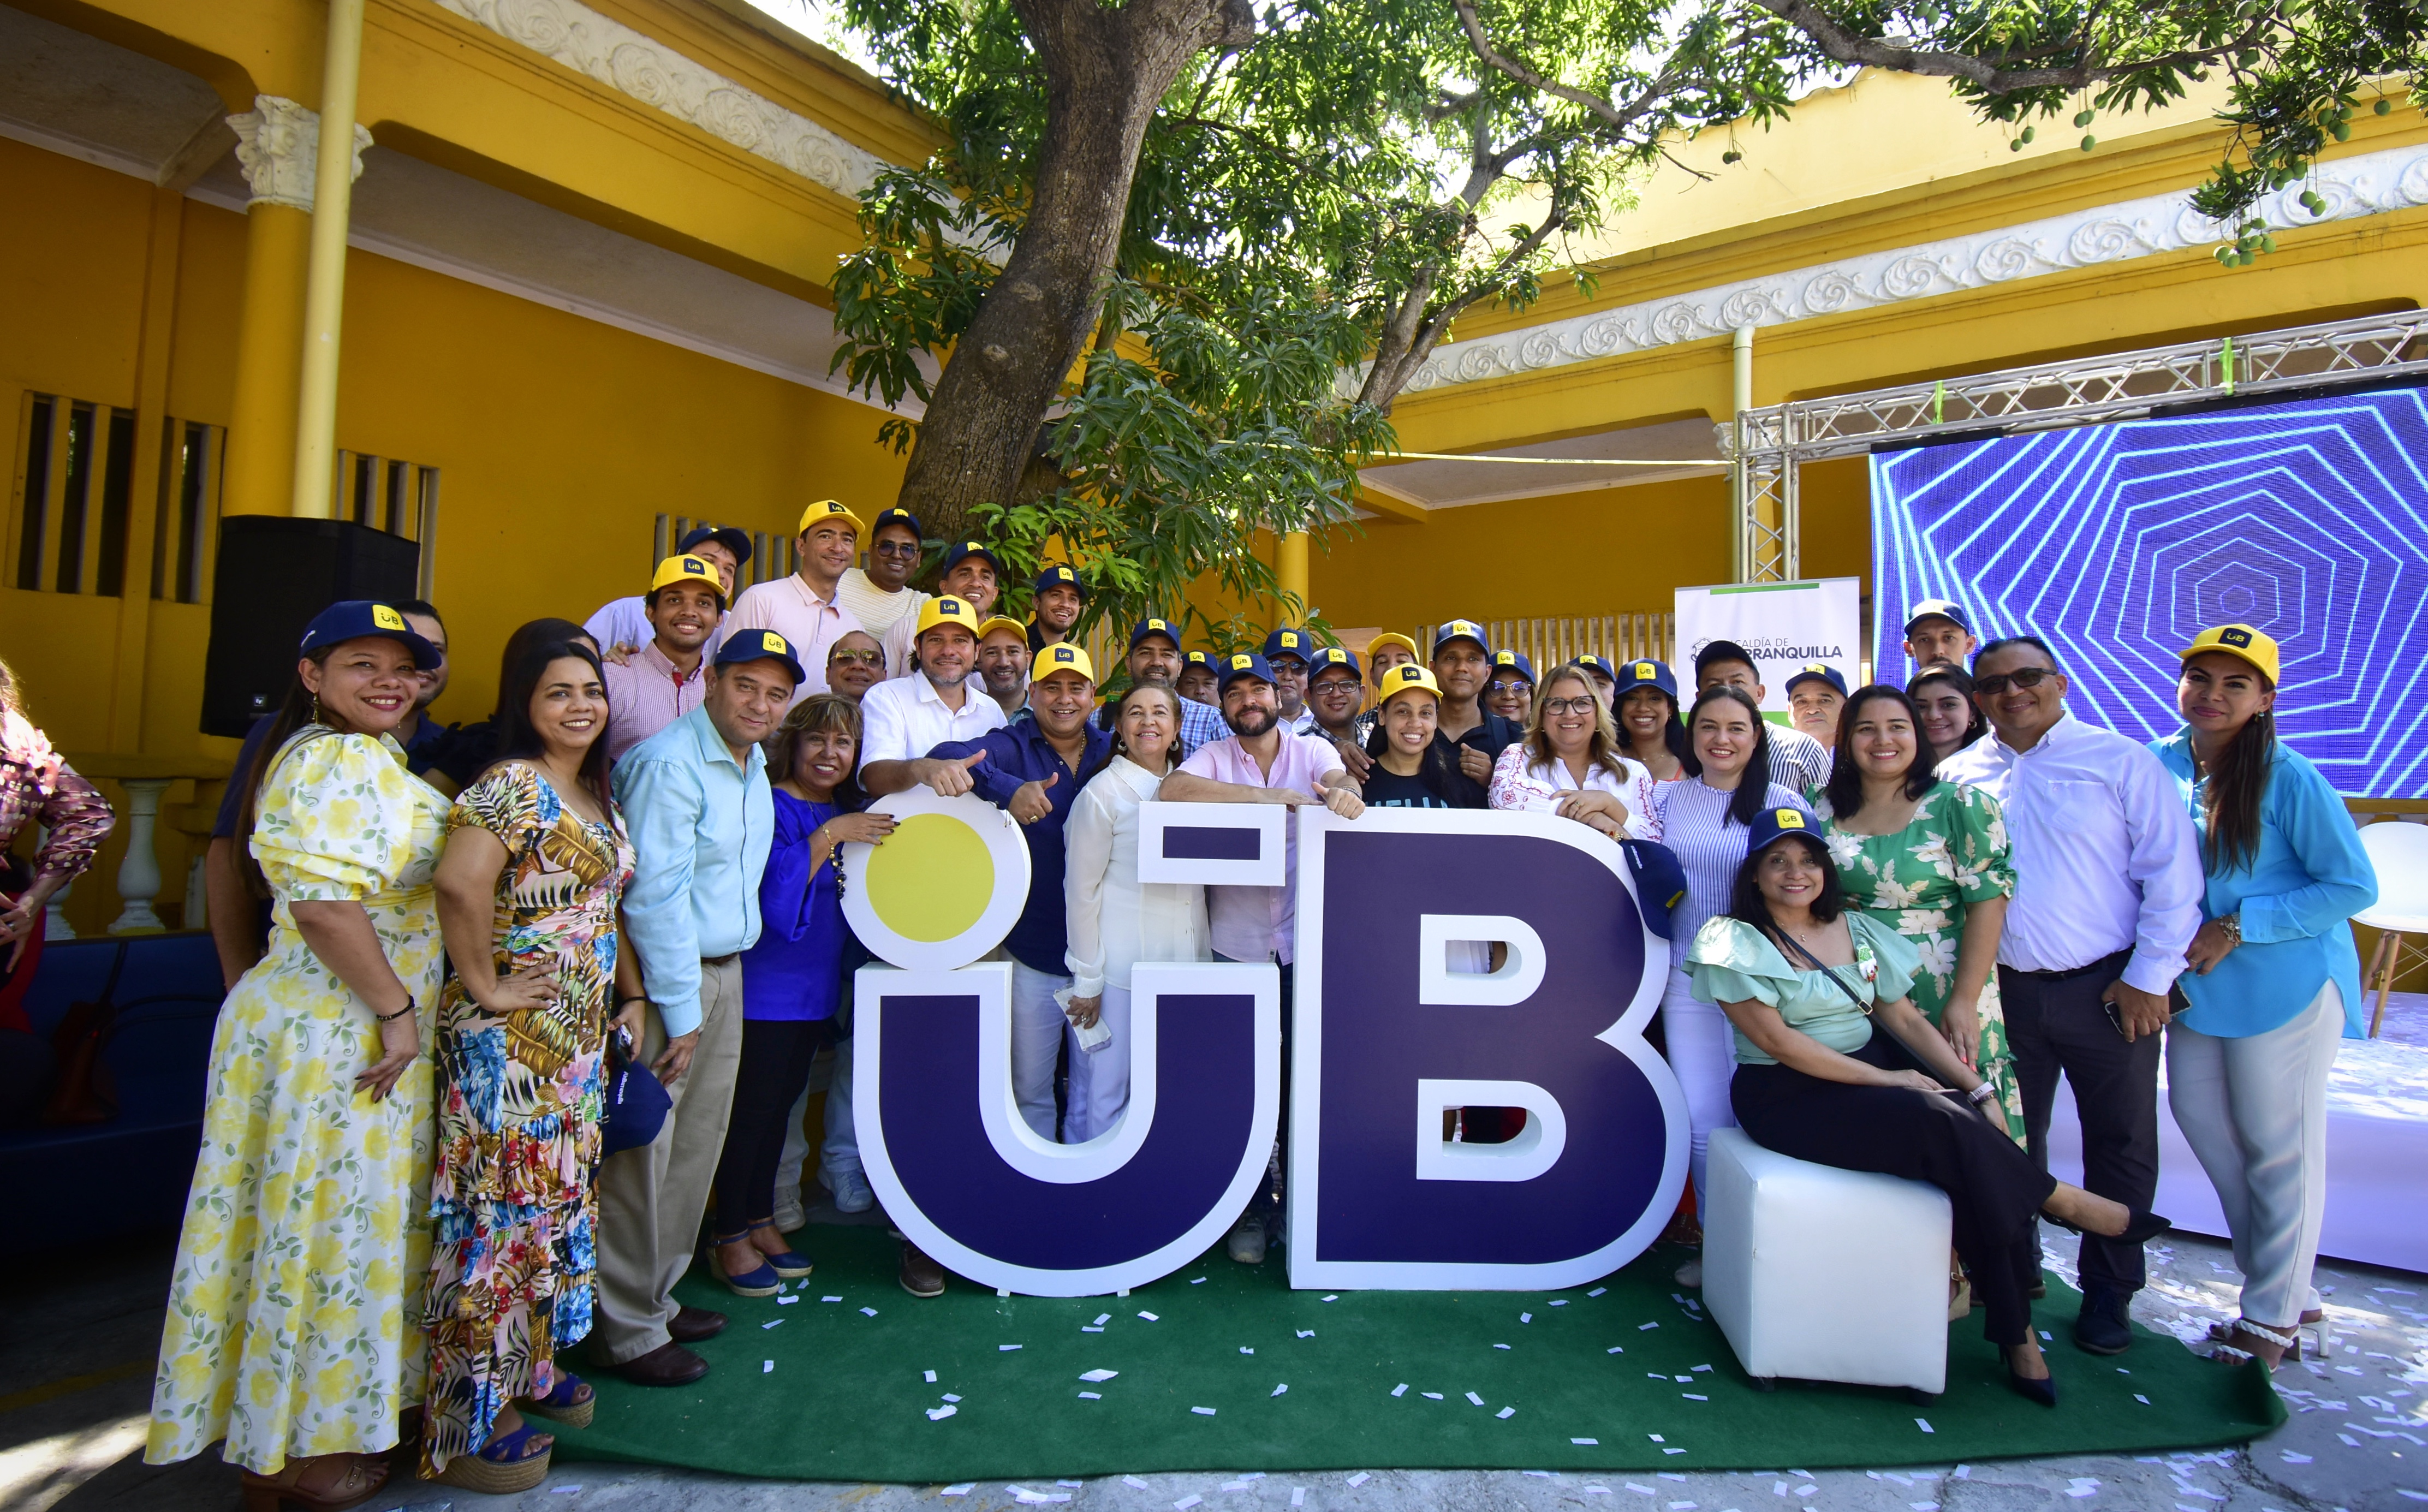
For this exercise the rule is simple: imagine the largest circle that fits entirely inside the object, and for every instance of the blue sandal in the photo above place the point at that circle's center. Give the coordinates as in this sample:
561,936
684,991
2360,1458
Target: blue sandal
504,1466
786,1263
572,1402
759,1281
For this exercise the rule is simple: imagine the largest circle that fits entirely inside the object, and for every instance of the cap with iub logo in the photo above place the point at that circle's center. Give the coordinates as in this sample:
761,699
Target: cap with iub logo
1238,664
948,610
1289,642
966,550
1409,678
1334,656
895,515
1644,674
760,645
828,509
675,570
1772,823
1150,627
1513,662
1197,659
1059,577
1815,672
1948,609
363,619
1005,624
2240,641
1461,630
1062,657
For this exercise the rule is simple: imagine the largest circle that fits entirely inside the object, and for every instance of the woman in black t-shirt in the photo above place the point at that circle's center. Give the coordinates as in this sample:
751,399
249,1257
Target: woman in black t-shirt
1412,769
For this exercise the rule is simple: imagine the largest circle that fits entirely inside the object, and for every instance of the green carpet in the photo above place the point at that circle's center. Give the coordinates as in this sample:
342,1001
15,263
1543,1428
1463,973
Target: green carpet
846,1399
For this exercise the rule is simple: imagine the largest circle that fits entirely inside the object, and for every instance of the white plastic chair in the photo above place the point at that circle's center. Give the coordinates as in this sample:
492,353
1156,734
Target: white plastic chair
2398,851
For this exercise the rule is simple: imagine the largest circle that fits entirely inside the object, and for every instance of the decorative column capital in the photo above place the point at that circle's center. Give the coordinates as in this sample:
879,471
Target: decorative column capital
278,144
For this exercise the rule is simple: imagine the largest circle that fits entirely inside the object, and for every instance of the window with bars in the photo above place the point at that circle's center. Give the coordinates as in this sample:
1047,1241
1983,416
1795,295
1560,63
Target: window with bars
189,511
75,467
771,556
397,497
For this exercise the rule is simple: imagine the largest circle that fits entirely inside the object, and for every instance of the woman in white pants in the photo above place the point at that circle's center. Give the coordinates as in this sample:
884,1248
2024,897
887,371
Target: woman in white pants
1703,821
2274,979
1115,920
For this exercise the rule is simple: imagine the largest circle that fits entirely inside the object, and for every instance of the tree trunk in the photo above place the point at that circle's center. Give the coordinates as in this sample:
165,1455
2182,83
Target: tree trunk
1106,69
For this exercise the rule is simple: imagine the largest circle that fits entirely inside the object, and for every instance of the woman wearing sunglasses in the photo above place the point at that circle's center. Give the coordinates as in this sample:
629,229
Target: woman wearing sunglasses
2274,979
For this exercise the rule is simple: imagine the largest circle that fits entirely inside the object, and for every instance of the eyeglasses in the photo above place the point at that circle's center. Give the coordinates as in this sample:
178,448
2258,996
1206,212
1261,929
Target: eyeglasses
2024,677
866,658
896,548
1584,705
1509,685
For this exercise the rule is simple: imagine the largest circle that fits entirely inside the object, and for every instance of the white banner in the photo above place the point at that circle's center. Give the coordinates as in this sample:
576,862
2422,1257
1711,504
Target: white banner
1786,626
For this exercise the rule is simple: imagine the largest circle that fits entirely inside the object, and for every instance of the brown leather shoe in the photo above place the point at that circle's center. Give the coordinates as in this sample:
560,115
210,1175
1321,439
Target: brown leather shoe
920,1275
666,1365
691,1324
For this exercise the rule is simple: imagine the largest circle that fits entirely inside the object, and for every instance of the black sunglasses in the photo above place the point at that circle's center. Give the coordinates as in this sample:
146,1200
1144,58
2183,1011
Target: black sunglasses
2027,676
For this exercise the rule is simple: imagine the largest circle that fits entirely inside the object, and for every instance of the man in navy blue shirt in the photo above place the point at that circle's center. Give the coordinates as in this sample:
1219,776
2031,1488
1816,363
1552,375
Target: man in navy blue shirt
1033,770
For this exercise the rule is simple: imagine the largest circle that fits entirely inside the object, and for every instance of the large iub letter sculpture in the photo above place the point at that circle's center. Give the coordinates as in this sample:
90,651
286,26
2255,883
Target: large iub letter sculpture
1387,1035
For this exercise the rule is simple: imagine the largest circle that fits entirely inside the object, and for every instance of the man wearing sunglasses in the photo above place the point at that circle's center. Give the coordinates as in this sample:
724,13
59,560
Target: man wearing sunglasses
2107,891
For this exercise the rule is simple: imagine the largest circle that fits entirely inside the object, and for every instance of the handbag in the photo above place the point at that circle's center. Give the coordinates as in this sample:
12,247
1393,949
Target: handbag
633,1102
1832,973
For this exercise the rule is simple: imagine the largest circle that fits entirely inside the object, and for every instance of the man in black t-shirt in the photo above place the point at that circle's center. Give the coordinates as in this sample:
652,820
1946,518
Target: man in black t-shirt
1461,665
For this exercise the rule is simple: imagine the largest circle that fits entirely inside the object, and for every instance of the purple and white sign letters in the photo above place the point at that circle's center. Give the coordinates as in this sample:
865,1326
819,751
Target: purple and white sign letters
1388,1033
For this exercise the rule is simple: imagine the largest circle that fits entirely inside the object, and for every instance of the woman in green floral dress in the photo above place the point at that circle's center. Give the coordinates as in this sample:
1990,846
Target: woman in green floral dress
1929,858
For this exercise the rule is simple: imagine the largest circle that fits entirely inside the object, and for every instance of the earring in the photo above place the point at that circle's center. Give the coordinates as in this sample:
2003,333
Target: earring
316,709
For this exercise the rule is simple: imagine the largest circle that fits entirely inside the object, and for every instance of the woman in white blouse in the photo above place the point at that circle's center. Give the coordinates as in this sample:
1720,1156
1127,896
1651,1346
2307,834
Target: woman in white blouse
1115,920
1570,763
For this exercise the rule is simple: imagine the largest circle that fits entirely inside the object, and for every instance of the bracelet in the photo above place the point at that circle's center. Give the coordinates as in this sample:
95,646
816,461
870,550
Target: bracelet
2231,926
636,998
1982,1093
390,1018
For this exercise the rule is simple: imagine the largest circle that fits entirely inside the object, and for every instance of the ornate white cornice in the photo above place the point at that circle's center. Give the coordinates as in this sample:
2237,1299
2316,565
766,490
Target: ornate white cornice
278,145
657,76
2352,186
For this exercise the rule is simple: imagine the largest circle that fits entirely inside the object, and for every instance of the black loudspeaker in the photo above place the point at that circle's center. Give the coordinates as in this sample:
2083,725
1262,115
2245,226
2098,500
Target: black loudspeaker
274,574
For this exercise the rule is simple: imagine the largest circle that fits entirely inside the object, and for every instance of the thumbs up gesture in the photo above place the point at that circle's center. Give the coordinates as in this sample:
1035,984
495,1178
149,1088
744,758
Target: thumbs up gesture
1030,803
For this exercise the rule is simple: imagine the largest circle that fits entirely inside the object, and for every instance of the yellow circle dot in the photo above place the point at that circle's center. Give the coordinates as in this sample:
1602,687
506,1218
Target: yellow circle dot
930,879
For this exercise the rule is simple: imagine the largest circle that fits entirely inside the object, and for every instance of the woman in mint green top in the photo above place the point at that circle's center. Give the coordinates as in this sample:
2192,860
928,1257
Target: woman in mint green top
1802,977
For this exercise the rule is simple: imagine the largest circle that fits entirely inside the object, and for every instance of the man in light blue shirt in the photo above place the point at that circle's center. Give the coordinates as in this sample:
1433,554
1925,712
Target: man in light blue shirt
697,805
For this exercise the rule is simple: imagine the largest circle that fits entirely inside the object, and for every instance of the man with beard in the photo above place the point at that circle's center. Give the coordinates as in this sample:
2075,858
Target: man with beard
904,718
1156,660
1003,664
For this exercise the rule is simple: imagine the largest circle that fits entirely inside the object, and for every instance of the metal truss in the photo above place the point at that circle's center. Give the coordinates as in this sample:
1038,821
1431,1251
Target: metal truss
1768,447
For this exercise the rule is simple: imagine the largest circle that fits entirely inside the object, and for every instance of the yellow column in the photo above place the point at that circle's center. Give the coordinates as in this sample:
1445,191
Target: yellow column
324,296
1289,568
277,144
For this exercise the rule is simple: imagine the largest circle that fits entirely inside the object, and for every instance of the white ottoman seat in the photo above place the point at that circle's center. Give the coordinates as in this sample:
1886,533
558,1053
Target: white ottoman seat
1823,1275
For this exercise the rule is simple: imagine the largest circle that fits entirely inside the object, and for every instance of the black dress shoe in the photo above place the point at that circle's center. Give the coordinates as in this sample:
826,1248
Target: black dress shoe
2105,1325
666,1365
691,1324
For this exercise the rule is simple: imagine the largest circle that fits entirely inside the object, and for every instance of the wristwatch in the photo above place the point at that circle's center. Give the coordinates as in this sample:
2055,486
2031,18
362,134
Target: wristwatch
2231,926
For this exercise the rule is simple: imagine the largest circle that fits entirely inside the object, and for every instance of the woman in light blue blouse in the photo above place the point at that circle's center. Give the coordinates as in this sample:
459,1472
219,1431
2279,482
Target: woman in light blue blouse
2274,979
1802,976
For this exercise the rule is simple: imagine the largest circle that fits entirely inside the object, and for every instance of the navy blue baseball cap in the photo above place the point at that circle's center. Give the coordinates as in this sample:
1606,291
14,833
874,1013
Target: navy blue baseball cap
1771,824
1334,656
1150,627
1288,641
1058,576
1645,674
1660,882
760,645
1203,658
1817,672
733,540
1717,652
361,618
895,515
963,550
1461,630
1601,665
1231,668
1515,662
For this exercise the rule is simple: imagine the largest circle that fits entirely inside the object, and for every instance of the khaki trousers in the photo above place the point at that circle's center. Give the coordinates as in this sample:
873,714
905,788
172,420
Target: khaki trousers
651,1199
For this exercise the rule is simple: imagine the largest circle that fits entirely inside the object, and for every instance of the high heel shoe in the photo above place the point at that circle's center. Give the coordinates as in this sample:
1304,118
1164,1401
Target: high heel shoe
2043,1391
364,1477
2141,1227
784,1262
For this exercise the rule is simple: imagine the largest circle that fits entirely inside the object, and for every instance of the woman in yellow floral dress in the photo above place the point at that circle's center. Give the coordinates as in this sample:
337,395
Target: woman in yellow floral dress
537,862
1928,858
294,1327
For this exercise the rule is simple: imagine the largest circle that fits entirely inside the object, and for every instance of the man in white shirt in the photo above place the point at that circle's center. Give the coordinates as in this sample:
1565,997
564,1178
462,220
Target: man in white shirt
802,608
2108,884
880,596
903,719
1003,663
1797,759
621,626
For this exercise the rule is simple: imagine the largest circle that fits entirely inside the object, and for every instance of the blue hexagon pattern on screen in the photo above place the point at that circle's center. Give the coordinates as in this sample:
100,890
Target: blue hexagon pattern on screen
2117,543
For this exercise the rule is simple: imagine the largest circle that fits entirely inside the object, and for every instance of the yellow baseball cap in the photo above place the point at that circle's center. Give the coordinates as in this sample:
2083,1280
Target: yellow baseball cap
1061,657
680,568
1001,622
1390,638
2239,641
948,612
1409,675
825,509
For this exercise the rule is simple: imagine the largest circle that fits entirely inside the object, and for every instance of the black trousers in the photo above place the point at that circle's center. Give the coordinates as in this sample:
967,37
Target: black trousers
1993,1187
1267,1198
775,1067
2058,1026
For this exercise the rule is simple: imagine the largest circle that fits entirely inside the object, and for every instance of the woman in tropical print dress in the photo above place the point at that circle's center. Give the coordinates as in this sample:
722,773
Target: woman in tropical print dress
1928,857
294,1325
536,860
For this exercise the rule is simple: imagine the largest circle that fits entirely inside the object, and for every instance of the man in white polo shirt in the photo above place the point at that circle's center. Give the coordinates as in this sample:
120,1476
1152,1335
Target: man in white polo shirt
904,718
802,608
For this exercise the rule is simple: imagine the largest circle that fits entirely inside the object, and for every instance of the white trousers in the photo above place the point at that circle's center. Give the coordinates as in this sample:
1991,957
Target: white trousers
1038,1024
1100,1082
1702,1052
2255,1109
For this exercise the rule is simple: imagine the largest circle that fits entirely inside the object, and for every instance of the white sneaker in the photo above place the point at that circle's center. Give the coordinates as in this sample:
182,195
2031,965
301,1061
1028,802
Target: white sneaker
790,1219
851,1194
1246,1242
1690,1274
